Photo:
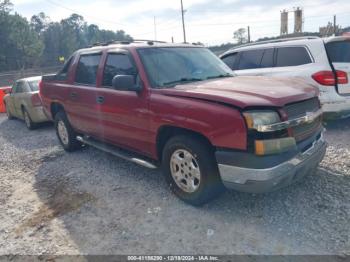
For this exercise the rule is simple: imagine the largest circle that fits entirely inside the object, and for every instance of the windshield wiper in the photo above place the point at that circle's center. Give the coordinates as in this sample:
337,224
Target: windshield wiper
181,81
219,76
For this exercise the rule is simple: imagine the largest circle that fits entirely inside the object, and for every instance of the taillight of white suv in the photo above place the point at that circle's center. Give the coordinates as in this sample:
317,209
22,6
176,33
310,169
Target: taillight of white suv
328,78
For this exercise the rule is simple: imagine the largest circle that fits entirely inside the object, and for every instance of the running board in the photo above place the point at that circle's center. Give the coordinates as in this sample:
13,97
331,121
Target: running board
117,152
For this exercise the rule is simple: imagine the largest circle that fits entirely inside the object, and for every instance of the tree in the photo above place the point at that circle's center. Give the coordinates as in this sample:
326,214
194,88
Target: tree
26,42
240,36
39,22
122,36
40,42
5,6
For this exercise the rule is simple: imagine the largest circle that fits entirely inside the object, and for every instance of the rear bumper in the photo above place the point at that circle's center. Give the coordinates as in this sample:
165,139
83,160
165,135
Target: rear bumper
282,173
335,105
37,114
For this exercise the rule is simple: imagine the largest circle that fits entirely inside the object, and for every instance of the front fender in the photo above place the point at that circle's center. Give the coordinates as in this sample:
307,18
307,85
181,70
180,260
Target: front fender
221,124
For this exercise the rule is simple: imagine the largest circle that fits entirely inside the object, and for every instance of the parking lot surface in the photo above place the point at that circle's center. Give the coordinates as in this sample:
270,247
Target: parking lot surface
89,202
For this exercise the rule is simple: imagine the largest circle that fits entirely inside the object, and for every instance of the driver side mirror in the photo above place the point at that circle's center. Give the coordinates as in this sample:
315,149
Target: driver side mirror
125,83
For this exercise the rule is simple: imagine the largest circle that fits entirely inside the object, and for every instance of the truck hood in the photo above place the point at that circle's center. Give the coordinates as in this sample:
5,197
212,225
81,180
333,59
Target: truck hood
247,91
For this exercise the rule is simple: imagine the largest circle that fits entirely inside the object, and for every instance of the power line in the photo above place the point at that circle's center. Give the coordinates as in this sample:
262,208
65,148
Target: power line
84,15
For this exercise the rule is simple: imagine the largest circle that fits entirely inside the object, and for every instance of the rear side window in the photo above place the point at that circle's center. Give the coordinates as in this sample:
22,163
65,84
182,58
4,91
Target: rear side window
267,59
63,74
231,60
292,56
250,59
117,64
34,85
87,69
339,52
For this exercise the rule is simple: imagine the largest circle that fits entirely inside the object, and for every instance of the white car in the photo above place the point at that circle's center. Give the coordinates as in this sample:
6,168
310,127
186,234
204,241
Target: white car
324,62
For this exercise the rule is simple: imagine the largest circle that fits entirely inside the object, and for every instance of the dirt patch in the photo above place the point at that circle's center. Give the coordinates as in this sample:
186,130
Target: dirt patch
61,202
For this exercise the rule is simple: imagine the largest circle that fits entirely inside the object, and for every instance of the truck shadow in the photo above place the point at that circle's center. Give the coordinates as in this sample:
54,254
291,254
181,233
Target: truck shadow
15,132
110,206
338,124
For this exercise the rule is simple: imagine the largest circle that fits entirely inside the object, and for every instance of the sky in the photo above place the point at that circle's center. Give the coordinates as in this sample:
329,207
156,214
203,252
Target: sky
208,21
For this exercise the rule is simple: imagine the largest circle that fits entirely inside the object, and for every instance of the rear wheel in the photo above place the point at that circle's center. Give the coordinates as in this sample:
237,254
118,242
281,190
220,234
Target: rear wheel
190,169
65,133
27,120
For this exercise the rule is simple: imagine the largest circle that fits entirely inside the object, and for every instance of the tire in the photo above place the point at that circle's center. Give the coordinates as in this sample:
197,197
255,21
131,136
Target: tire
65,133
202,187
27,120
9,116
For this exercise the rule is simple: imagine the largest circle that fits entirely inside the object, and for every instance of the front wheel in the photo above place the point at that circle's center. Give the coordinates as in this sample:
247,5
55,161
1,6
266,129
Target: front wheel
65,133
191,170
8,113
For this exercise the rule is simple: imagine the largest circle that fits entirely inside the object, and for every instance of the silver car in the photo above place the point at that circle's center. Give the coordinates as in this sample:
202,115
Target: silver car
24,102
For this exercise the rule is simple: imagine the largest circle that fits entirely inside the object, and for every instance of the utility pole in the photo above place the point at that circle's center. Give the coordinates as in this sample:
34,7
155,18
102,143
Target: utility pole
335,25
155,29
172,39
183,21
248,34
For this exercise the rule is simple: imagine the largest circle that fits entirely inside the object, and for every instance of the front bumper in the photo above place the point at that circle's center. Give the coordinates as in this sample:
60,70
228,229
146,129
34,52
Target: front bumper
259,180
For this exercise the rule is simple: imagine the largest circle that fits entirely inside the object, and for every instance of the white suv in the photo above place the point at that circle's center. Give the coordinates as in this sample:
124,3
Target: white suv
324,62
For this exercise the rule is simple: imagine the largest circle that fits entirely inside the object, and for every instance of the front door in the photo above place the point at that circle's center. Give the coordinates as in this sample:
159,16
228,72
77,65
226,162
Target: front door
123,115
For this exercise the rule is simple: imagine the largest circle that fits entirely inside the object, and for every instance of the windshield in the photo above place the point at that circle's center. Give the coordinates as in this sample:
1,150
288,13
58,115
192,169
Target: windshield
167,67
34,85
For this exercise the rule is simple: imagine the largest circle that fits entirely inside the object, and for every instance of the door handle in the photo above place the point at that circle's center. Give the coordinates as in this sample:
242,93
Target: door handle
73,95
100,99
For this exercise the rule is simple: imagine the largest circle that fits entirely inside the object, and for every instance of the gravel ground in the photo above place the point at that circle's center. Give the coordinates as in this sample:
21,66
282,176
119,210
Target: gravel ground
89,202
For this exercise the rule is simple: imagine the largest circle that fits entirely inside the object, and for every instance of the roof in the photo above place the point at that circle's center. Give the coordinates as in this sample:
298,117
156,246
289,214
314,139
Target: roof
336,39
272,43
132,44
33,78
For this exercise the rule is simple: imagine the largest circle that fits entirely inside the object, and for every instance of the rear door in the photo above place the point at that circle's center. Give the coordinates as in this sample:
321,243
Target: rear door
81,102
339,55
292,61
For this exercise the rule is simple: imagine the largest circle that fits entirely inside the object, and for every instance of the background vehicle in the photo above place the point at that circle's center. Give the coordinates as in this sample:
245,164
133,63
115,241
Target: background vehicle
180,107
3,92
323,62
24,102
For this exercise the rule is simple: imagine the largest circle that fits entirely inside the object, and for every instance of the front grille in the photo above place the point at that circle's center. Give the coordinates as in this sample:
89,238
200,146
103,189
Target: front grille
300,109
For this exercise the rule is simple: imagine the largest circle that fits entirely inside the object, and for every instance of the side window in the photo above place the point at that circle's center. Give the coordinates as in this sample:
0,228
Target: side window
20,87
267,59
63,74
87,69
292,56
117,64
250,59
231,60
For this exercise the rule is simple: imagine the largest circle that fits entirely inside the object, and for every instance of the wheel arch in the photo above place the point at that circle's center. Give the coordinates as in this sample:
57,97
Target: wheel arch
55,107
167,131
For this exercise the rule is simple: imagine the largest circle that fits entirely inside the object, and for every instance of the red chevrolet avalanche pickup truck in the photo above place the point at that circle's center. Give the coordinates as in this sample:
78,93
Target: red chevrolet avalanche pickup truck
178,106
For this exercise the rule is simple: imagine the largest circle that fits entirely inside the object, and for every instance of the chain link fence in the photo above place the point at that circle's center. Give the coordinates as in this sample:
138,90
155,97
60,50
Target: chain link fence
9,77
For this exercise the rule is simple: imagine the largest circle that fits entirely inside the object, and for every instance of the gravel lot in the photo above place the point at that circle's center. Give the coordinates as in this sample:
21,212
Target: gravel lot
89,202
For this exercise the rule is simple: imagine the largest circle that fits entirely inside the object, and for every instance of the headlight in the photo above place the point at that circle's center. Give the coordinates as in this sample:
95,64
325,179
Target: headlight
254,119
